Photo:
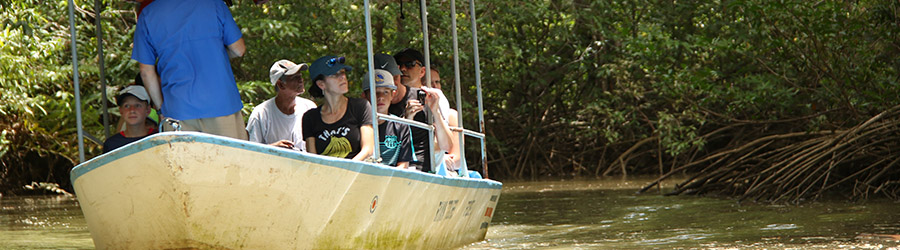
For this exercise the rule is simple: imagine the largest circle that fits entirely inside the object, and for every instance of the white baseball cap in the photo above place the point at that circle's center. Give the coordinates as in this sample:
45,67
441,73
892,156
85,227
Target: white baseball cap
285,67
134,90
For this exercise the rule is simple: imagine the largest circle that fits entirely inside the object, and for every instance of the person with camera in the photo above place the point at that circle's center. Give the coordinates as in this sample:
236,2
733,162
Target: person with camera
411,65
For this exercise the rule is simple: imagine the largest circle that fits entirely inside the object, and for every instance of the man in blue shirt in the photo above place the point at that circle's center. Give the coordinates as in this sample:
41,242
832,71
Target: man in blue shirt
183,48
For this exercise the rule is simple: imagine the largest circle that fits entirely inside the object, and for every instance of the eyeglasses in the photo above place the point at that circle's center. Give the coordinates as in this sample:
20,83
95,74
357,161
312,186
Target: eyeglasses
410,64
335,60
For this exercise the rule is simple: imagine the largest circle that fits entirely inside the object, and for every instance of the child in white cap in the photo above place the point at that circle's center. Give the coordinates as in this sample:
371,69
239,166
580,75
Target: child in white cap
134,107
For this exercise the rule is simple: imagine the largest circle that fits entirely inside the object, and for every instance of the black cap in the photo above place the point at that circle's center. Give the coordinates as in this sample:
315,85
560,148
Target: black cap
411,54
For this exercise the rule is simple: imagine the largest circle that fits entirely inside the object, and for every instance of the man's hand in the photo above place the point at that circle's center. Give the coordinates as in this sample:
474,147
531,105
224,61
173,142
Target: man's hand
431,97
413,107
284,144
451,161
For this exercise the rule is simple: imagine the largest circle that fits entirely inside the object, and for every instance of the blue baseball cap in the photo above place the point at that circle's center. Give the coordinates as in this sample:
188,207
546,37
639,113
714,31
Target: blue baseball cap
324,66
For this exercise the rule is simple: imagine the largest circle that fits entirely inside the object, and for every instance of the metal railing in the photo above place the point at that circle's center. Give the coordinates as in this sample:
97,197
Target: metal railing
427,54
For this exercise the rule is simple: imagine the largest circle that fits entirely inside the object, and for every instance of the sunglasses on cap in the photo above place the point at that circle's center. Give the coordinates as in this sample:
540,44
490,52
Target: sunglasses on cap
335,60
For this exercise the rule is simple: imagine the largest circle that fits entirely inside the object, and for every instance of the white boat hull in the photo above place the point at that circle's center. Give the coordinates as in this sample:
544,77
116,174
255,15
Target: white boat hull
198,191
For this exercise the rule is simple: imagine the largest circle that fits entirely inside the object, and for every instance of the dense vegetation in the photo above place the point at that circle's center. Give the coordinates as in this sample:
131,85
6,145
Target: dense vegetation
571,88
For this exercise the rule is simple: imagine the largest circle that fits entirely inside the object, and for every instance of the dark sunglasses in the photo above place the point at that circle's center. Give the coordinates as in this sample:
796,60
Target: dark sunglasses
335,60
411,64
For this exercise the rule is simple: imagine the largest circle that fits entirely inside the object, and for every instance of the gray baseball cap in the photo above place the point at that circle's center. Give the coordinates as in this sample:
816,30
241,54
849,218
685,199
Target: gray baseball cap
383,79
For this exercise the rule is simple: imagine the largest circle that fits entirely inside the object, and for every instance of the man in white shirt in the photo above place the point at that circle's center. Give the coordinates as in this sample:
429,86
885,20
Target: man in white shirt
277,121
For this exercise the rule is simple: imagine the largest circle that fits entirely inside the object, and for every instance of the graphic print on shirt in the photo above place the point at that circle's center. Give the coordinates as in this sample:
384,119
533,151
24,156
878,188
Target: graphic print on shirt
391,142
338,145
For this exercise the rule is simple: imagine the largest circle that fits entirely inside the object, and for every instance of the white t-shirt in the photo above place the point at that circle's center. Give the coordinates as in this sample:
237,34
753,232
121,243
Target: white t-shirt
267,124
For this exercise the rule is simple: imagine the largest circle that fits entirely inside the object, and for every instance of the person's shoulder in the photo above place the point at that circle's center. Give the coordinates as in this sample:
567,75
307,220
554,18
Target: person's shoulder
313,112
268,103
398,126
402,127
303,102
358,102
262,107
115,137
113,142
412,92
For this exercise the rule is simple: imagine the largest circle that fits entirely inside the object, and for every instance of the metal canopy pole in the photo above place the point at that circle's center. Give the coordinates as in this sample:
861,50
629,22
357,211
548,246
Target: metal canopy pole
75,74
376,153
427,62
478,86
99,29
427,46
463,168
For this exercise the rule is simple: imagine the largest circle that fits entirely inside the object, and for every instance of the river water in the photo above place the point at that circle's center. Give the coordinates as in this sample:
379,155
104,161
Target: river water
582,214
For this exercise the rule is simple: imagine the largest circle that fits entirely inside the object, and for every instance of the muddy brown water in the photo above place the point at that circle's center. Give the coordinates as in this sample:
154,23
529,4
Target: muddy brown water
572,214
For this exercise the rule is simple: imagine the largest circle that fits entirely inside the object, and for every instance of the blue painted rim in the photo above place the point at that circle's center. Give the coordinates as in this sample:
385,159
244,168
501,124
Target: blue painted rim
356,166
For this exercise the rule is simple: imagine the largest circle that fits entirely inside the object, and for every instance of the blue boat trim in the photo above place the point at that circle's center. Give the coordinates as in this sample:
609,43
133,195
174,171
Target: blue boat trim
356,166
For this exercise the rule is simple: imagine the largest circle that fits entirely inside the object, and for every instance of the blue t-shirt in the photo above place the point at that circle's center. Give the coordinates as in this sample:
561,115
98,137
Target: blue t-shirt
187,40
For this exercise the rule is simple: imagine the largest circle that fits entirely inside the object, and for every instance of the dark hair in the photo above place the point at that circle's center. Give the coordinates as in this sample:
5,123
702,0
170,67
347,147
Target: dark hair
314,89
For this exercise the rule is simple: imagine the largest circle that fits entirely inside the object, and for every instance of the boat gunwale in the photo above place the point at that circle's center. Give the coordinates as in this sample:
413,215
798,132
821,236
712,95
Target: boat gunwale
160,139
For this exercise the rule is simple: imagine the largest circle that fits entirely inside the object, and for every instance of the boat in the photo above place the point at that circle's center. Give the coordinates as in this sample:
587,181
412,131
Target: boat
187,190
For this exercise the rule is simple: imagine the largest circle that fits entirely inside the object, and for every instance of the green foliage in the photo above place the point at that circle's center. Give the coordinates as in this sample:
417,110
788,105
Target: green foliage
38,105
568,85
573,80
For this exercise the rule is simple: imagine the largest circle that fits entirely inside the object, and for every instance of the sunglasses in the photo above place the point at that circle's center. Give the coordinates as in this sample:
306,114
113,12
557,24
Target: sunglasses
335,60
411,64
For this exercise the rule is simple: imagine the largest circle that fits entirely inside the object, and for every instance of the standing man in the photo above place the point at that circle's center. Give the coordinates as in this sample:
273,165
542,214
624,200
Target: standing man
278,121
183,48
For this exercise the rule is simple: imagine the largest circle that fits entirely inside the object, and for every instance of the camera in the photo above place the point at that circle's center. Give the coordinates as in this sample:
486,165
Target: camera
421,96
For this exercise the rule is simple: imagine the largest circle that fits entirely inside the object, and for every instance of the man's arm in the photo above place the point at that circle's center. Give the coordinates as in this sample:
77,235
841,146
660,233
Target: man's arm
453,159
237,49
151,83
442,133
